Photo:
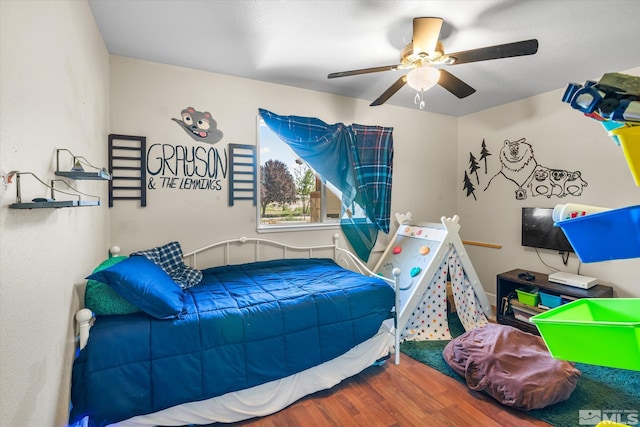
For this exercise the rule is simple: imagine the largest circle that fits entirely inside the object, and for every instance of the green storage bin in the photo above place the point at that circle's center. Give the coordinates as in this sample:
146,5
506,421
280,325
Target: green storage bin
528,296
598,331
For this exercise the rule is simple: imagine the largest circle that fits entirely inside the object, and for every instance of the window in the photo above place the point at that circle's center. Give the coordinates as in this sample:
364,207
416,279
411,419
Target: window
291,195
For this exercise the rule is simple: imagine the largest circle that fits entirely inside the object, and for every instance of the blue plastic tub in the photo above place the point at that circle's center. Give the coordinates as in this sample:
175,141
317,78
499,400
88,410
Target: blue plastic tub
605,236
550,300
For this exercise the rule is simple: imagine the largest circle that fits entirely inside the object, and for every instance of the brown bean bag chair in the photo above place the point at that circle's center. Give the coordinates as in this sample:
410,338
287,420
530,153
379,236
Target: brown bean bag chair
512,366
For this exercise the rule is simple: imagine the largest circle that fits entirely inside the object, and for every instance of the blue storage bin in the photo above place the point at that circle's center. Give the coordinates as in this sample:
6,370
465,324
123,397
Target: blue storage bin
550,300
605,236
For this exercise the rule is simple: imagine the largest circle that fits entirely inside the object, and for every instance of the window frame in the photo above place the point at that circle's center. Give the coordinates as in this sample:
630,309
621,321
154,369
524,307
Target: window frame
326,224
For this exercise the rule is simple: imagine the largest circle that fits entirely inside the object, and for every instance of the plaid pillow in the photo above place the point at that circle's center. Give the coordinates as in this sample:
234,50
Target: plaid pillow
186,276
169,258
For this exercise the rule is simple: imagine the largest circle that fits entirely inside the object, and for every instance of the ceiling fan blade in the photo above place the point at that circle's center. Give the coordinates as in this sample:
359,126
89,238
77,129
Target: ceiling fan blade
454,84
526,47
390,91
363,71
425,35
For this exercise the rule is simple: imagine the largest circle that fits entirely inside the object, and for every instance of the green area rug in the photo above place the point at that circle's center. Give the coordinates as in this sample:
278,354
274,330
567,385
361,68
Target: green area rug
601,392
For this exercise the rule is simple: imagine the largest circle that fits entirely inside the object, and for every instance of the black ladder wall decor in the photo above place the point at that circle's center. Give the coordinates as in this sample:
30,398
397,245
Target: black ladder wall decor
243,174
128,168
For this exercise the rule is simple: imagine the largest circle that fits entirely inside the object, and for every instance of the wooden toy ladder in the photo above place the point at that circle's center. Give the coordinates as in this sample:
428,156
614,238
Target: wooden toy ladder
128,168
243,176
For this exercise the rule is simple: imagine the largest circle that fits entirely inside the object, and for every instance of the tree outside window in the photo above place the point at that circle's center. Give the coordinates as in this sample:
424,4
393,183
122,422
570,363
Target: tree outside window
277,187
305,181
291,194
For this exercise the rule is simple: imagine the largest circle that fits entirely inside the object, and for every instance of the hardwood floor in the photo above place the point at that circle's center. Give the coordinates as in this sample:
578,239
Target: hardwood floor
410,394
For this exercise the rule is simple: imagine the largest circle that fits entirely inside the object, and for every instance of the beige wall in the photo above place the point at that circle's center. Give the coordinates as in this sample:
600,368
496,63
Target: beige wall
53,94
431,155
146,96
562,138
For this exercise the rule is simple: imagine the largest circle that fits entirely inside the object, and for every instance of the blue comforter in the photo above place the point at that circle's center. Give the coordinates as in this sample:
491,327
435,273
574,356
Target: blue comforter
244,325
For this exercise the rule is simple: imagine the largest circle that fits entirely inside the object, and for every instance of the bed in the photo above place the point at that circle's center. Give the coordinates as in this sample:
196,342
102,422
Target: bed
247,340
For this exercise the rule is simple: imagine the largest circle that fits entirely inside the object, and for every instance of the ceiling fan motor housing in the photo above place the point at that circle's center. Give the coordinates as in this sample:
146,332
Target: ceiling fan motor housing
409,58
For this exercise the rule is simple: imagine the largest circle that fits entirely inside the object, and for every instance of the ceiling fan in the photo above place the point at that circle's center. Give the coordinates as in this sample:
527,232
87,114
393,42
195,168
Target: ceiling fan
426,52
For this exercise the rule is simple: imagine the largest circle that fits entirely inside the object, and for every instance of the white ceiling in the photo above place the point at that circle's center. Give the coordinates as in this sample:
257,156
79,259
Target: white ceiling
299,42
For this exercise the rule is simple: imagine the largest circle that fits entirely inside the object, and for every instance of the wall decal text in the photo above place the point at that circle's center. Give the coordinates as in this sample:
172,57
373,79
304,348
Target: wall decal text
185,167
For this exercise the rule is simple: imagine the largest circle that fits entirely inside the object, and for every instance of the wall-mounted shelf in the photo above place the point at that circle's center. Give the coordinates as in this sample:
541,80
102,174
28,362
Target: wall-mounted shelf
77,171
42,203
55,204
100,175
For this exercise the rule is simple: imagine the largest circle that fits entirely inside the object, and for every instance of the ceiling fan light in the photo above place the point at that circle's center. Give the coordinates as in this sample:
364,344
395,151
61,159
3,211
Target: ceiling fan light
423,78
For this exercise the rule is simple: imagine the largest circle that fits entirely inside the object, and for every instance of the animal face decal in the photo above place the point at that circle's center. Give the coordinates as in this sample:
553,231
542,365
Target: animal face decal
518,165
517,162
199,126
516,151
555,182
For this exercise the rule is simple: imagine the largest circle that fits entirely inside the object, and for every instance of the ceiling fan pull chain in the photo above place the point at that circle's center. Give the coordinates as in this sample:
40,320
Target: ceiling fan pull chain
419,100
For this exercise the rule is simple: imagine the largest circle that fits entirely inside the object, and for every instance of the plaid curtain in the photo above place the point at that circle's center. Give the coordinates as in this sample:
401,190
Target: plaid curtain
356,159
372,155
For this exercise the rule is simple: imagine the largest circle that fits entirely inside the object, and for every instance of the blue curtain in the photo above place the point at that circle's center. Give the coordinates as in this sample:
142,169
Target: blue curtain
356,159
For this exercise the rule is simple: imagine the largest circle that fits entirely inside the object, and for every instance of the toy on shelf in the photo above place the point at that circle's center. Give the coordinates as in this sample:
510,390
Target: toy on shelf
628,138
615,97
614,101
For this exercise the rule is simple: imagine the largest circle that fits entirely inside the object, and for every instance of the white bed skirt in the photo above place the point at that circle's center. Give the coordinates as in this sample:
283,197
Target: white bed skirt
271,397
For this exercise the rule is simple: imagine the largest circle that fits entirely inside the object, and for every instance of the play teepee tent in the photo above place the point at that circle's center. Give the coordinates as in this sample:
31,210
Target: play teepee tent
428,255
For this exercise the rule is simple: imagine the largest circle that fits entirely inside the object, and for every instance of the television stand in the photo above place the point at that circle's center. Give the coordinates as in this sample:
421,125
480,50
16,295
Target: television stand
509,281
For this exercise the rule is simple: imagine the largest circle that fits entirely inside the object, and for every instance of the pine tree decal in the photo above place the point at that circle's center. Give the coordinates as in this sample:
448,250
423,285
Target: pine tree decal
484,153
468,185
473,166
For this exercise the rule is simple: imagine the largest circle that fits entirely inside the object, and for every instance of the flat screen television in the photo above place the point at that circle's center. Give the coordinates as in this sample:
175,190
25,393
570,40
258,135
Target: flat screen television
539,231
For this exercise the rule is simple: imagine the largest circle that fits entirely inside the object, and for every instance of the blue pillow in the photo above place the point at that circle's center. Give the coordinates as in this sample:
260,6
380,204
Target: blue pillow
145,285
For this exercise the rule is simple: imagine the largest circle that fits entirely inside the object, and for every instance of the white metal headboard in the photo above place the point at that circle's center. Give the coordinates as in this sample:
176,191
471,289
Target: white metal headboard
341,256
192,257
